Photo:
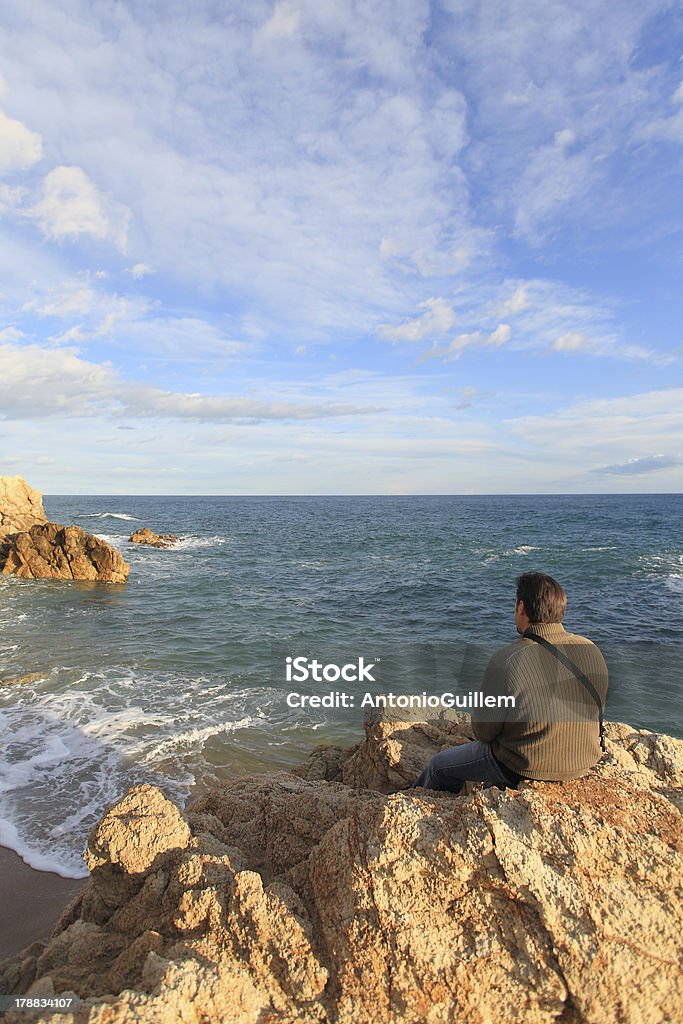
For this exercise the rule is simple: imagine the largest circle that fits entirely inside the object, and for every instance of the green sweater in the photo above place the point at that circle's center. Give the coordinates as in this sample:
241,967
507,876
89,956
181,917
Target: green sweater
552,733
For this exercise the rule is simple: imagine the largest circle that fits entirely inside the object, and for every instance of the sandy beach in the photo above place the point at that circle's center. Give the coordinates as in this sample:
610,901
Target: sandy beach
30,902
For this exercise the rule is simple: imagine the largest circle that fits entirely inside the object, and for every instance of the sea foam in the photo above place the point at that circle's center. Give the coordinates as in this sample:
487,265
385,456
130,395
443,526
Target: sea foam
104,515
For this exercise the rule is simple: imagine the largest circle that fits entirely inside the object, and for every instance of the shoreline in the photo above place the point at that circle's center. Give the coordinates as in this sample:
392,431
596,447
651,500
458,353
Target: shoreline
31,902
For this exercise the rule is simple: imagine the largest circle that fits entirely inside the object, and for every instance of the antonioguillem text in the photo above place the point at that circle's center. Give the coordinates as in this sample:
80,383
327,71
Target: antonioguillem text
339,699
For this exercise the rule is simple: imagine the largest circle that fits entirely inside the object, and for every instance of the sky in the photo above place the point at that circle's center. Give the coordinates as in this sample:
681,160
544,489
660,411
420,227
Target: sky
341,246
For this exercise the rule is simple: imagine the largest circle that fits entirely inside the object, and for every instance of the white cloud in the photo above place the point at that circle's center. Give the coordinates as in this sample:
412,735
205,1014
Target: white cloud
565,138
139,270
474,339
579,342
668,128
470,396
553,179
282,24
20,148
517,302
152,402
587,433
71,205
499,336
550,315
38,382
437,319
75,297
11,197
572,341
664,129
11,334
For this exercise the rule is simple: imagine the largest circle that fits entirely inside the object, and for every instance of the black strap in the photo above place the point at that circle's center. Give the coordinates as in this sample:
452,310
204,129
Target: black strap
575,670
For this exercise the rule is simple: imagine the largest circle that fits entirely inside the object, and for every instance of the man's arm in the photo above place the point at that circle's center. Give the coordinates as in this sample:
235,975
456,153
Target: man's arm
487,723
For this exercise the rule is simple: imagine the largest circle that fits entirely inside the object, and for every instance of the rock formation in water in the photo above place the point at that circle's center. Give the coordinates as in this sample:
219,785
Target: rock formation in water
21,507
155,540
312,898
51,551
32,548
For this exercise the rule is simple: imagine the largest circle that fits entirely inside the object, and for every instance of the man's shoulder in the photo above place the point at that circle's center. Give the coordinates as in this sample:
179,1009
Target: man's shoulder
521,647
501,657
574,638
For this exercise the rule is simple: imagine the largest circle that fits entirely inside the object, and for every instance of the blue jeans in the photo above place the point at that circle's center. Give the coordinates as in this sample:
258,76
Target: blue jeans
470,762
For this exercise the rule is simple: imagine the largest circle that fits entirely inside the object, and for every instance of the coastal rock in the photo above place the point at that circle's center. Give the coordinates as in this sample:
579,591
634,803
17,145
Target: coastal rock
51,551
21,506
28,677
155,540
293,899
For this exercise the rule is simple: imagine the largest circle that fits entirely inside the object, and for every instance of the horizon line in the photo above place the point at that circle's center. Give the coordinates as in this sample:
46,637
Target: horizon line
420,494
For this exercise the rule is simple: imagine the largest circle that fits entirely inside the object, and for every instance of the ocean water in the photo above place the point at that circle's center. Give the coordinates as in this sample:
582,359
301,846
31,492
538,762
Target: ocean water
177,677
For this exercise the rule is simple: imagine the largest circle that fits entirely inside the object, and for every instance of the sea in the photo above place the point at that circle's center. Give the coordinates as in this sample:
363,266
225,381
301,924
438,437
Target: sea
179,677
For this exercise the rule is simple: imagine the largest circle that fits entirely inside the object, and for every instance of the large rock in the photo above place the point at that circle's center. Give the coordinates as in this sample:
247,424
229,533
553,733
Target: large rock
51,551
298,900
21,507
155,540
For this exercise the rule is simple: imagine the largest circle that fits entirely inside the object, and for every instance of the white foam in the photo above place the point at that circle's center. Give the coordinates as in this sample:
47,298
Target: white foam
193,738
113,539
195,543
71,751
675,582
104,515
10,838
524,549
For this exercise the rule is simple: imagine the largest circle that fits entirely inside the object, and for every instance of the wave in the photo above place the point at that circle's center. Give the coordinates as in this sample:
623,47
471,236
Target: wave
193,737
11,840
105,515
196,543
522,549
70,751
114,539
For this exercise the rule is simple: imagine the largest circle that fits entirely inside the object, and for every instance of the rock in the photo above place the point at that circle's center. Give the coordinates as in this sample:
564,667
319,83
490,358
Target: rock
293,899
156,540
29,677
21,507
51,551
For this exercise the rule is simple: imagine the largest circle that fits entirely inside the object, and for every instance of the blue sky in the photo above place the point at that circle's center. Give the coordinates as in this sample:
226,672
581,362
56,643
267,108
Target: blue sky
316,246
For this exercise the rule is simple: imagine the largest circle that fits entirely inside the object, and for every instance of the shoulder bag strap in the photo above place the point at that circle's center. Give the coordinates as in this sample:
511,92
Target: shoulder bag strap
575,670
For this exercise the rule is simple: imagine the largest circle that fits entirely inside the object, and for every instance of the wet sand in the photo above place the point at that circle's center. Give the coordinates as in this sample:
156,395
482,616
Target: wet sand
30,902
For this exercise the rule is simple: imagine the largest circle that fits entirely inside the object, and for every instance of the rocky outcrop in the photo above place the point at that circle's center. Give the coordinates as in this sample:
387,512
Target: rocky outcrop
21,507
51,551
26,679
294,899
155,540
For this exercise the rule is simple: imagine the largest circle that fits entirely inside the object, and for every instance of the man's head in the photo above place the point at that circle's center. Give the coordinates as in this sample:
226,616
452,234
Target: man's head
540,598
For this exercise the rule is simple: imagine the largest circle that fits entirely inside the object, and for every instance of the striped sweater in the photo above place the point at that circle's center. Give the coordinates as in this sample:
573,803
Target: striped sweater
552,733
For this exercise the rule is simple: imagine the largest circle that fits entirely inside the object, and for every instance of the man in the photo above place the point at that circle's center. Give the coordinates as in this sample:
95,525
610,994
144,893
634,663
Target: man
554,731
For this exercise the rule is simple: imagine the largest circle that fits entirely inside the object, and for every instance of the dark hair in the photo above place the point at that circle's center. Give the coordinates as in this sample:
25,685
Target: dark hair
544,598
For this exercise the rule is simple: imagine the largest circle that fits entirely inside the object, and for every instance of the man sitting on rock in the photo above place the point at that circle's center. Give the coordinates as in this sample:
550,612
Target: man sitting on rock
559,682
